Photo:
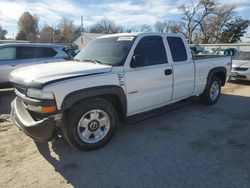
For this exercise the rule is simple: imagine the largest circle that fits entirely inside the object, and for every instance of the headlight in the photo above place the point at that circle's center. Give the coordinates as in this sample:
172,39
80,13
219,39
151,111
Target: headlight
39,94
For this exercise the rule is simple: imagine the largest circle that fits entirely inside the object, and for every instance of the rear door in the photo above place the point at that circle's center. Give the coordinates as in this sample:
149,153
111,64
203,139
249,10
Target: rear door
7,62
148,85
183,68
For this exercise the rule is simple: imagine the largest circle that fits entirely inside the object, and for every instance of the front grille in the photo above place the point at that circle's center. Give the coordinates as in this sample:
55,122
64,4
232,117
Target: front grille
20,88
241,69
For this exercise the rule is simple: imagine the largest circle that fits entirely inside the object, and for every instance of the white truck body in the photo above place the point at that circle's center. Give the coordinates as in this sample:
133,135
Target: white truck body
145,88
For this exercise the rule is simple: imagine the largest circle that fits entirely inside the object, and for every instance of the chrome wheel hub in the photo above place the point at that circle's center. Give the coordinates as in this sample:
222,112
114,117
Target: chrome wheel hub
93,126
214,91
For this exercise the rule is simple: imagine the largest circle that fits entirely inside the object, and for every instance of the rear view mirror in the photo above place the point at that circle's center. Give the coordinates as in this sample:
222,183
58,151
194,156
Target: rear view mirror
137,61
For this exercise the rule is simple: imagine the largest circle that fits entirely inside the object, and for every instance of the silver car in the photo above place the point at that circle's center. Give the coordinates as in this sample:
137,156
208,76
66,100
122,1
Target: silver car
13,56
241,66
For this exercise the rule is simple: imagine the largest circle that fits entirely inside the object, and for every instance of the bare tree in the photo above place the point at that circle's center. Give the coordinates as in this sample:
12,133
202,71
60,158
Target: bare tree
145,28
175,27
169,26
66,29
160,27
106,26
46,34
194,14
211,27
28,27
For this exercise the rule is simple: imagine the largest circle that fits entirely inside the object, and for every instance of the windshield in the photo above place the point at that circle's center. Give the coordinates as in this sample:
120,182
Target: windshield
242,56
110,51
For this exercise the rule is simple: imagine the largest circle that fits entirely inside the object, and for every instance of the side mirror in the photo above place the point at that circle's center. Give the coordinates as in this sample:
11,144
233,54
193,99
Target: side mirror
137,61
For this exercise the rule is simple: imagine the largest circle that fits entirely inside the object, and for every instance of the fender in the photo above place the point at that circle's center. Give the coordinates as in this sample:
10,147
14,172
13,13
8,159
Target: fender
213,72
79,95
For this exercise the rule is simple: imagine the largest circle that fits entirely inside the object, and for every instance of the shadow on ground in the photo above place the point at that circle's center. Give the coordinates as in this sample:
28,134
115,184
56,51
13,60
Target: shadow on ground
194,146
5,99
240,82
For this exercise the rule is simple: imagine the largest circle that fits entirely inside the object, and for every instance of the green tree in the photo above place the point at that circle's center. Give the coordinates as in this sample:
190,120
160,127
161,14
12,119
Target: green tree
28,27
3,32
234,30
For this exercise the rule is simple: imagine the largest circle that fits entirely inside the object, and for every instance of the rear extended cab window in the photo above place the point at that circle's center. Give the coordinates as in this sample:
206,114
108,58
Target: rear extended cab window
177,48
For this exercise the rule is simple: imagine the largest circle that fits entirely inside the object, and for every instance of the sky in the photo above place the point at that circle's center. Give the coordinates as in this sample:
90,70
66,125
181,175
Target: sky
127,13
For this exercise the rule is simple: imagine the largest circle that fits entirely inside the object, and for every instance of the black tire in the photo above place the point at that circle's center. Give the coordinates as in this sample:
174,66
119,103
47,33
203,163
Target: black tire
71,128
206,97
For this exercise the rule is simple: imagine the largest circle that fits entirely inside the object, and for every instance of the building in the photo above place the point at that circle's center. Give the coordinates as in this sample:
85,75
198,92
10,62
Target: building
82,39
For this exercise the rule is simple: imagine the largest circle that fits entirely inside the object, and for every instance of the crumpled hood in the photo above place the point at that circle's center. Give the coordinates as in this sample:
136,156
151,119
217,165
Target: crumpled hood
241,63
50,72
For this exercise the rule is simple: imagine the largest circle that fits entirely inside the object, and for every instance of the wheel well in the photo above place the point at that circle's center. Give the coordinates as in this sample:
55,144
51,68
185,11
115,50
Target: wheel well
222,76
112,99
116,102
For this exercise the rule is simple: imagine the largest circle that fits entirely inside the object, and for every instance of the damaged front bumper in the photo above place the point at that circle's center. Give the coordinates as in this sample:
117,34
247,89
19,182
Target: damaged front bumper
43,129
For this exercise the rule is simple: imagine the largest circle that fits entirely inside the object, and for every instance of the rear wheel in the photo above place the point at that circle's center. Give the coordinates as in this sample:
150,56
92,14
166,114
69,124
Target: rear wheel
212,92
91,124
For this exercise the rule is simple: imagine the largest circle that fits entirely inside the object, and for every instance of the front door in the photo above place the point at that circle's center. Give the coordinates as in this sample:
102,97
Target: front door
149,78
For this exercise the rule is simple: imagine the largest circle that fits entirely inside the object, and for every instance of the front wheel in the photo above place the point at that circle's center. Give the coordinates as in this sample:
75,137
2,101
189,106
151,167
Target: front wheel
91,124
212,92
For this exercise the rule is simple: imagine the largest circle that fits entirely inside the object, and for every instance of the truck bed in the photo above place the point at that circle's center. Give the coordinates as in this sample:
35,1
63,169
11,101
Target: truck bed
206,63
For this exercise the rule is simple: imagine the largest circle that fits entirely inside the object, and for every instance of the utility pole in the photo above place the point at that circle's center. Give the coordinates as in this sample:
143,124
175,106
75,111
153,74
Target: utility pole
53,35
81,23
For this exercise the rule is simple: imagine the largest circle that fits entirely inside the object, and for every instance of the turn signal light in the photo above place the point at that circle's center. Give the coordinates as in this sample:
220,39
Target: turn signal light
48,109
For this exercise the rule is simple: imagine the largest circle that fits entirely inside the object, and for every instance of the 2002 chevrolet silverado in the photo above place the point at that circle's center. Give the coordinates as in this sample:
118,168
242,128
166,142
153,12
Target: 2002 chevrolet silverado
115,77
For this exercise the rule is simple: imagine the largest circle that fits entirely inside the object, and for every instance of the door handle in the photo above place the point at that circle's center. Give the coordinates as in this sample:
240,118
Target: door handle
13,65
168,71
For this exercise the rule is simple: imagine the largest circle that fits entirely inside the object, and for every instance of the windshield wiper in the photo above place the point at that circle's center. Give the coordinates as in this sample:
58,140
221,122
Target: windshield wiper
94,61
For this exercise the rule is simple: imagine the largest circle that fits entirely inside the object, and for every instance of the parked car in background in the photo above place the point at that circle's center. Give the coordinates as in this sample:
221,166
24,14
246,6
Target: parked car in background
230,52
226,52
194,50
241,66
13,56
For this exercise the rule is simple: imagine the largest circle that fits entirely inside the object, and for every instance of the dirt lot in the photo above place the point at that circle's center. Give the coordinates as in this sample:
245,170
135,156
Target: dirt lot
193,146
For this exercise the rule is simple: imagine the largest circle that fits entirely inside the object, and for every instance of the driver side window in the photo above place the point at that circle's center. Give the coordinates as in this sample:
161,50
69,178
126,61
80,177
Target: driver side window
149,51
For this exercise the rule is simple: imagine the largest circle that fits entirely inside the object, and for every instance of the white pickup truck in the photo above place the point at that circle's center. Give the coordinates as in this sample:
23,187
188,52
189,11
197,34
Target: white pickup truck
115,77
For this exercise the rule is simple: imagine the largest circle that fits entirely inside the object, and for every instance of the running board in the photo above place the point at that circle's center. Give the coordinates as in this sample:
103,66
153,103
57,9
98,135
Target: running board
152,113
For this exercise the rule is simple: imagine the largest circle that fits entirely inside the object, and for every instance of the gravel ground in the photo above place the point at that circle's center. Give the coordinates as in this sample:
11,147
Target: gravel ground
193,146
